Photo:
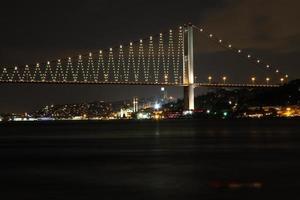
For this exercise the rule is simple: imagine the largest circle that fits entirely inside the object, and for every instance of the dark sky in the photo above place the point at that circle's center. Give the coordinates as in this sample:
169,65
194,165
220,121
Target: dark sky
35,31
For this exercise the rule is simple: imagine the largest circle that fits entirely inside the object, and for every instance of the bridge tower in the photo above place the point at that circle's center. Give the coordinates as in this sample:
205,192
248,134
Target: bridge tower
188,68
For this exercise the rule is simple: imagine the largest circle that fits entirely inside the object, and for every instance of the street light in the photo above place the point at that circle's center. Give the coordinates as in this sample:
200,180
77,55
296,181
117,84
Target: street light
209,79
281,80
224,79
253,79
268,80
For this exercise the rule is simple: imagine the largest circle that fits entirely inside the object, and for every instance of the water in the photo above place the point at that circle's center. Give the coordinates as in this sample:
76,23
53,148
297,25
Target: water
247,159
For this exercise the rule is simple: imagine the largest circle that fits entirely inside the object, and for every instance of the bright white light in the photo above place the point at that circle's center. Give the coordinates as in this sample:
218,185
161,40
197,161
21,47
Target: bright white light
157,106
188,112
162,89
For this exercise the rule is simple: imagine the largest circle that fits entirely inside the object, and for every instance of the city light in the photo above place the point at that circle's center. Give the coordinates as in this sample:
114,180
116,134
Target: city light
162,89
268,80
224,79
157,106
209,79
253,79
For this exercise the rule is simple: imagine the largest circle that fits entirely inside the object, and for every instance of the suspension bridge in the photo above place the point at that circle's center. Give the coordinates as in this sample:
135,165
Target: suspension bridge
165,59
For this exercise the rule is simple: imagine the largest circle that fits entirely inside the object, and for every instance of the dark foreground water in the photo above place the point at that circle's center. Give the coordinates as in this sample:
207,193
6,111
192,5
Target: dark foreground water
150,160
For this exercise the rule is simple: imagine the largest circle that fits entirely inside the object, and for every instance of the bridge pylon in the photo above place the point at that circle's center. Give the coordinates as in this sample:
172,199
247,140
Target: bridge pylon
188,68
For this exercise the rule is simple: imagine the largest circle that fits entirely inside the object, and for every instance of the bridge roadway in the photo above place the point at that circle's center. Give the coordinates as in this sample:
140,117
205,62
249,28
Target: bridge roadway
209,85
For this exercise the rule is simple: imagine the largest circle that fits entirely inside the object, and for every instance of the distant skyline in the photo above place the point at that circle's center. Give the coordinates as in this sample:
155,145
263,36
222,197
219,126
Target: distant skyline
46,30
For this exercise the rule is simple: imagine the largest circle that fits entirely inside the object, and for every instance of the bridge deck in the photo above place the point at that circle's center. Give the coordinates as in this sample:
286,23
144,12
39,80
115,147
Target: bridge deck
212,85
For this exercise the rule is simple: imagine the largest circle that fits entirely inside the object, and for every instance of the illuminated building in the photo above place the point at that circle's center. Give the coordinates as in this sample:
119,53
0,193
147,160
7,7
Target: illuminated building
135,104
125,113
143,115
290,111
157,115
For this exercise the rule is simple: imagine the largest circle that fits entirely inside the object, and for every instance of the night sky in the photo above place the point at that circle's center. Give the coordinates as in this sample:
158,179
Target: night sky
46,30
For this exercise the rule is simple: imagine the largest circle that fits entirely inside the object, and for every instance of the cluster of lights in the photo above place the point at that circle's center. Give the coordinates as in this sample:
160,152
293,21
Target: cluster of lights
70,68
141,61
111,62
121,62
156,59
37,72
90,66
59,73
238,51
151,56
253,79
161,58
180,48
131,62
171,55
105,69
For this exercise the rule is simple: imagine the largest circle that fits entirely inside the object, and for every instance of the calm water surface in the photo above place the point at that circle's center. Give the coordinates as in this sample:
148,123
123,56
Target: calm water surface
246,159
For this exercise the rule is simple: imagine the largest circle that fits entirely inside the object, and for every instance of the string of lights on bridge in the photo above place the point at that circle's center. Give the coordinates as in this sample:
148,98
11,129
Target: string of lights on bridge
124,63
120,66
242,53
